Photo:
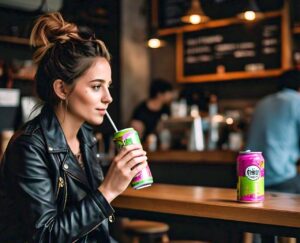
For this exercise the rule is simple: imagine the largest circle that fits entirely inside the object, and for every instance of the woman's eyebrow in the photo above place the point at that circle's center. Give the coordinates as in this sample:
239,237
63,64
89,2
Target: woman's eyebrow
101,81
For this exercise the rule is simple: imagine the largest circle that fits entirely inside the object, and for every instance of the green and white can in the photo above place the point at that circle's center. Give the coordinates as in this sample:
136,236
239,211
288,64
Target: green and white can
126,137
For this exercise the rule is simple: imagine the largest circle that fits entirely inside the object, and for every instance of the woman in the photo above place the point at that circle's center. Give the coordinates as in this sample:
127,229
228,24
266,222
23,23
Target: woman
51,186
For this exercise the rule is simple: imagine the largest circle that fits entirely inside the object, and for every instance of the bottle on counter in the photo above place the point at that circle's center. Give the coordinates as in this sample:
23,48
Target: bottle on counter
151,142
164,135
165,139
179,108
213,129
183,108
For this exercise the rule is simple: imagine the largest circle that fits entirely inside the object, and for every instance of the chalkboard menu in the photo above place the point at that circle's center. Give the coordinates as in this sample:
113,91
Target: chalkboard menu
295,8
170,12
240,48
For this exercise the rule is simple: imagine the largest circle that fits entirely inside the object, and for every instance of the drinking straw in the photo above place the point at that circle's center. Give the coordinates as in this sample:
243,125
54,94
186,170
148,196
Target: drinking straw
111,122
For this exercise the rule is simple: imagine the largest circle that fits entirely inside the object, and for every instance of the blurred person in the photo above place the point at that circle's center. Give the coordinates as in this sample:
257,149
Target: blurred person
6,79
52,187
148,113
275,131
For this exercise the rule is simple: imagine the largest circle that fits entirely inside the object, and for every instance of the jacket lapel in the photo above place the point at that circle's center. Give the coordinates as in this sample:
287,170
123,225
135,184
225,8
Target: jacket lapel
93,169
92,165
57,144
72,168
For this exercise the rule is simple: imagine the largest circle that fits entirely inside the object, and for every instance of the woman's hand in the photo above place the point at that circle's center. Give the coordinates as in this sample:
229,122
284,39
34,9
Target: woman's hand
128,162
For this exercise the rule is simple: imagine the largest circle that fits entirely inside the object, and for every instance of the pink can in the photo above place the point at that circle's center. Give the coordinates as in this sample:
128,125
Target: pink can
250,170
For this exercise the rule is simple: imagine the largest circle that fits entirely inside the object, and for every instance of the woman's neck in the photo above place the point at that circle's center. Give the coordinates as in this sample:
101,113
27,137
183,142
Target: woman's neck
70,126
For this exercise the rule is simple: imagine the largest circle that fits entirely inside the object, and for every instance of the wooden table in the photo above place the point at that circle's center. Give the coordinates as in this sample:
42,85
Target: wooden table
279,214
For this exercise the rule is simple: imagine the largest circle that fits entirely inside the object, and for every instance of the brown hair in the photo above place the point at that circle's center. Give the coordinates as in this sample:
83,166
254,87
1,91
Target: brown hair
61,53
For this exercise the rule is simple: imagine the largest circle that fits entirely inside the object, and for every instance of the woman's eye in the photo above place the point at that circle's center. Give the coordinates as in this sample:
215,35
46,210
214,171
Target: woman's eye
96,87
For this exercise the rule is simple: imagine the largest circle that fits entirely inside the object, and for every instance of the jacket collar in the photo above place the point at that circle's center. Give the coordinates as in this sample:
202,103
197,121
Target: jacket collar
53,133
57,143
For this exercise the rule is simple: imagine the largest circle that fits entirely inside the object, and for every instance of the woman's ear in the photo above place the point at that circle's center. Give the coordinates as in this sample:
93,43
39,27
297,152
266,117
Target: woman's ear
60,88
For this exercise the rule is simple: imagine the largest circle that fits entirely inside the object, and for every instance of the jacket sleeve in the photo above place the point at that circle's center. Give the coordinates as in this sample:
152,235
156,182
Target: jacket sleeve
28,177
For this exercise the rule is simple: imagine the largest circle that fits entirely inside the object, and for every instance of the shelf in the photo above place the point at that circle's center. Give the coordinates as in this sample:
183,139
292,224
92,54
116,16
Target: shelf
26,77
29,77
14,40
296,29
210,24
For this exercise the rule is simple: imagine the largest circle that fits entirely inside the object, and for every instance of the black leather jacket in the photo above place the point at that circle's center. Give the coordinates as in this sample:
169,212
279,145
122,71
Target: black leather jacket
44,194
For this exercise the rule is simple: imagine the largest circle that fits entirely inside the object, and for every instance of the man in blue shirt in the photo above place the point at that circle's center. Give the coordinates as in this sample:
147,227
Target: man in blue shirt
275,131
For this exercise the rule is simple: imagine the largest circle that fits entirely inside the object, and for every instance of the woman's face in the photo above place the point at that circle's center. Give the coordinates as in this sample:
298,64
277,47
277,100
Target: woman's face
90,97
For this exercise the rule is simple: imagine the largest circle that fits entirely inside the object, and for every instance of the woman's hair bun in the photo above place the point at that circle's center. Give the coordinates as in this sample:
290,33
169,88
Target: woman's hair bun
50,29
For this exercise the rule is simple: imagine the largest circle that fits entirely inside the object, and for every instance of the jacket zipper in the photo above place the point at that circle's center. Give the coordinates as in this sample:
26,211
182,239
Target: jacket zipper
64,208
66,192
60,185
93,227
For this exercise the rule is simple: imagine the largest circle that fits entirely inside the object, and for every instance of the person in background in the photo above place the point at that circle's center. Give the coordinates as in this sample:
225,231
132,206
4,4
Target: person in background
52,188
6,79
275,131
148,113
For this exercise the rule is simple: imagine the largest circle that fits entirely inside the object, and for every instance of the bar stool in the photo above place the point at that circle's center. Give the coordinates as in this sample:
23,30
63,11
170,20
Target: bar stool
144,231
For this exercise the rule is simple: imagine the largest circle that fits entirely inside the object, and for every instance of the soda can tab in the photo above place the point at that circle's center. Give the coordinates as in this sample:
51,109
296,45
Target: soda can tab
250,170
126,137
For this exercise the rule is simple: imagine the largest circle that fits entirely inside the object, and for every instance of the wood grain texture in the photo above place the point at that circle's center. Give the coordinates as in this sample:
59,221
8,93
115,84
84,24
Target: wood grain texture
280,209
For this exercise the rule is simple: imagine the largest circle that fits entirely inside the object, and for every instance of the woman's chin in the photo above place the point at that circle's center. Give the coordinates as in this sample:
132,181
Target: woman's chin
96,122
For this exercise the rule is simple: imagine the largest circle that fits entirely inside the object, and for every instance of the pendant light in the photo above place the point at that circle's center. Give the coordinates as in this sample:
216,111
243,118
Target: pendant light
252,12
155,42
195,14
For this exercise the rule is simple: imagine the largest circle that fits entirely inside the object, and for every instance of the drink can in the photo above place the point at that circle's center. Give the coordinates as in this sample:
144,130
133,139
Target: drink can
250,170
126,137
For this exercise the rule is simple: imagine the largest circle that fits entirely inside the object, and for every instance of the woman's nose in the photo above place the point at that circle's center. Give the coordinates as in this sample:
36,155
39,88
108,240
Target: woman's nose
107,97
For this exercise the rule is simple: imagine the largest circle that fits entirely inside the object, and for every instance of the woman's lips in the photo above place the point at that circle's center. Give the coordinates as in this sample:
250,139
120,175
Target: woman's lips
102,111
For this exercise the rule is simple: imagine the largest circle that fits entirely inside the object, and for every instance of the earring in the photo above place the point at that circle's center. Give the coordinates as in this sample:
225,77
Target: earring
66,104
63,104
60,103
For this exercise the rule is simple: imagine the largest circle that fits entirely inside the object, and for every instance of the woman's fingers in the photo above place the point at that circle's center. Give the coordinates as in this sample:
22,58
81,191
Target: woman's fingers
138,168
133,162
129,154
134,155
126,149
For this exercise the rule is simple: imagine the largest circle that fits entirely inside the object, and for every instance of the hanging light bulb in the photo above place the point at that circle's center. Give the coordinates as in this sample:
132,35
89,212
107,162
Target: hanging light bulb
154,43
251,13
195,19
195,14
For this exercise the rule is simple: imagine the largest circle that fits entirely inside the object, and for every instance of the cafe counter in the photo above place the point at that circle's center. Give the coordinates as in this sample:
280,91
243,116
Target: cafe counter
203,168
202,157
